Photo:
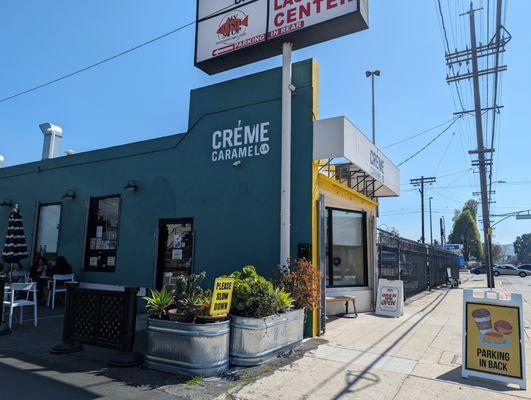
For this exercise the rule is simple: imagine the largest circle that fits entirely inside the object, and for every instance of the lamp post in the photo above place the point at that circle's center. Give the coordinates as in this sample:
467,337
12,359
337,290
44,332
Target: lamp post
431,224
372,74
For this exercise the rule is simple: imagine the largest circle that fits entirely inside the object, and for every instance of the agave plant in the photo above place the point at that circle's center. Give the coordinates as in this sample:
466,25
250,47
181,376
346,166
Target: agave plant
158,303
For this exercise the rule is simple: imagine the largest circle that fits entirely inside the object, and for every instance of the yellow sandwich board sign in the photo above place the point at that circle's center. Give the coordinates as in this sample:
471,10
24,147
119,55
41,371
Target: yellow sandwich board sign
222,296
493,341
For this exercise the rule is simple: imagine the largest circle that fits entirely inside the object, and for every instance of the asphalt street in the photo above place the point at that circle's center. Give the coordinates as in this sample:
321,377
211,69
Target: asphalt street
516,284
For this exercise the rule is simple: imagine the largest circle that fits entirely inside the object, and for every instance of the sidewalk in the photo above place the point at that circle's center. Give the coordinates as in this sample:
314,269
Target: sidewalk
417,356
414,357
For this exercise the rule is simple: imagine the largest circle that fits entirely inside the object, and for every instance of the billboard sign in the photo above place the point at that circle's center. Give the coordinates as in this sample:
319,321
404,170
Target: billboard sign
493,340
232,33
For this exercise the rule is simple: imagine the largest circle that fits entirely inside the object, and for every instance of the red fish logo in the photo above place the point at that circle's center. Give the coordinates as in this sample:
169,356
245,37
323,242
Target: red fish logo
232,26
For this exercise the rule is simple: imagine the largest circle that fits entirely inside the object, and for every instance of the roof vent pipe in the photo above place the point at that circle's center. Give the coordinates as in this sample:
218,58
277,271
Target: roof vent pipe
53,135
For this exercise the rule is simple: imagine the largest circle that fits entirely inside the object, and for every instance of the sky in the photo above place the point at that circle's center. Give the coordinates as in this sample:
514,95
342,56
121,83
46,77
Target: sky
145,93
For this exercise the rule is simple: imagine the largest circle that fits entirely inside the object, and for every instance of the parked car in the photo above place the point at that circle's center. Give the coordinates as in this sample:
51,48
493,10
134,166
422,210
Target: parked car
509,270
525,267
479,270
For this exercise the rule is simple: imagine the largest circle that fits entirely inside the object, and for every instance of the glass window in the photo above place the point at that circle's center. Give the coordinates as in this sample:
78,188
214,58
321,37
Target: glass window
347,256
102,234
176,239
48,231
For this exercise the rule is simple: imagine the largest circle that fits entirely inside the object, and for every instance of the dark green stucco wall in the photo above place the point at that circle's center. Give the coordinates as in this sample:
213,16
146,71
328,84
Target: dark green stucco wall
236,210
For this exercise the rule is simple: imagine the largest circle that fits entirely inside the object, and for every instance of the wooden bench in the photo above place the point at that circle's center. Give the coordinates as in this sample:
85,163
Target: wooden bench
344,299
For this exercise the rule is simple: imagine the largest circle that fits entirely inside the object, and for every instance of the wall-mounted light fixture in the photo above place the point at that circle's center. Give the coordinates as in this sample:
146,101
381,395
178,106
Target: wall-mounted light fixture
6,203
131,186
69,195
237,164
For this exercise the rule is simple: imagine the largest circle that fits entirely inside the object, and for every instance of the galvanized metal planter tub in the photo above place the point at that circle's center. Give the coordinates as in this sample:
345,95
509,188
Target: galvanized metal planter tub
188,349
257,340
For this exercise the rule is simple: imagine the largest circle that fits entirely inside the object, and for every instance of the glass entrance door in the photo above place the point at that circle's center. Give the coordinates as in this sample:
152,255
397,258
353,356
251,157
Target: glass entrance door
175,253
48,225
347,248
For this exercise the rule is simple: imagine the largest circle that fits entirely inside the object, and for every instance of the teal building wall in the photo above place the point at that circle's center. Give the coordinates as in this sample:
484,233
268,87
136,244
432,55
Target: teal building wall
236,210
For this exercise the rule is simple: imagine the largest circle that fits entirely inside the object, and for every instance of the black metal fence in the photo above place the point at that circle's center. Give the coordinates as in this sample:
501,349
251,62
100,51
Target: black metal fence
100,318
419,266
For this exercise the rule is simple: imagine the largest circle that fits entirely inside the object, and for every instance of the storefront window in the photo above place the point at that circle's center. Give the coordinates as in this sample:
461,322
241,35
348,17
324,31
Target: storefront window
347,249
102,234
48,231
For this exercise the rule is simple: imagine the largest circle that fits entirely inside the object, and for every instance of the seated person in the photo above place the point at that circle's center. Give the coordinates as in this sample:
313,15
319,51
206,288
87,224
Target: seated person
39,273
62,267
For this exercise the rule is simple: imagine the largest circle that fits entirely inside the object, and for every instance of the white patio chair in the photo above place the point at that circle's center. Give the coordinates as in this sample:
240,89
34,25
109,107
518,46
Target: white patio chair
15,299
57,285
16,276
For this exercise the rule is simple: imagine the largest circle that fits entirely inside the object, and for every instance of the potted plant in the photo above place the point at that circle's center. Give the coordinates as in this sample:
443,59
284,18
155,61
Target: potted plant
182,339
303,280
263,323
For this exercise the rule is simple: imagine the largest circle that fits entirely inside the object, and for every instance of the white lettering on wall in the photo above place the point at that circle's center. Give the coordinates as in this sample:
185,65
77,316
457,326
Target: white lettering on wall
241,142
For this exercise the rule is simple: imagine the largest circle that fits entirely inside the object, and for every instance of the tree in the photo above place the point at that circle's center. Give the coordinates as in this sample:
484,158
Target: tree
522,248
465,232
497,252
472,205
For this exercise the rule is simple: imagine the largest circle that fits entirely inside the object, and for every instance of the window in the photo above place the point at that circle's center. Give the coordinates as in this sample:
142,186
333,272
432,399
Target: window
176,238
347,249
102,234
47,237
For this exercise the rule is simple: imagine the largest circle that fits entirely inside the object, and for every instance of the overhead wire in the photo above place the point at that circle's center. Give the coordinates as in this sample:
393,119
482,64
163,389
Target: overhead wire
106,60
429,143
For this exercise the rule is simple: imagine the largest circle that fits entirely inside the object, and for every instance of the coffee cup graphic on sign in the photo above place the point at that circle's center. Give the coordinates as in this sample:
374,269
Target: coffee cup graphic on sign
483,320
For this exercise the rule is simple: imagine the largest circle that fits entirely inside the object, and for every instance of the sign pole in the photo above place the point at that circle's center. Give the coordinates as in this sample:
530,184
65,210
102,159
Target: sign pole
285,194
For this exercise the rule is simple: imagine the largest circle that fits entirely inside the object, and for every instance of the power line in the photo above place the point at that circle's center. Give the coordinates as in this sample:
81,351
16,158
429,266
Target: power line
88,67
448,50
418,134
429,143
105,60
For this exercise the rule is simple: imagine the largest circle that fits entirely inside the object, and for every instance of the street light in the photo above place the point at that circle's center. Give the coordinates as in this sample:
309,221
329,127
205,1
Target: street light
431,224
372,74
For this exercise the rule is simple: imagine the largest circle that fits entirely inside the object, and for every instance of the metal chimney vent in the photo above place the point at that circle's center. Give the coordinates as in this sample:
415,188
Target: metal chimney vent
53,135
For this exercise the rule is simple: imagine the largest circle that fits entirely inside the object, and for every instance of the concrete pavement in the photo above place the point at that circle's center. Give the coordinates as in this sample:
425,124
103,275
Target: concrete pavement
417,356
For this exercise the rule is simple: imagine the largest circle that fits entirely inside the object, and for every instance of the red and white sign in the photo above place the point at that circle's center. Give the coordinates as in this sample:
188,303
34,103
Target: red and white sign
231,31
229,26
390,301
286,16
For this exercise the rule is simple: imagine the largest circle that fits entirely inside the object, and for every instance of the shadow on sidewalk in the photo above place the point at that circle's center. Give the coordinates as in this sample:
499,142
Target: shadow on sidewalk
366,374
455,377
26,352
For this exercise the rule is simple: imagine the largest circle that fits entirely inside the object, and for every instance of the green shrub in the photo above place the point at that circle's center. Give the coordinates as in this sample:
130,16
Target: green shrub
191,299
254,296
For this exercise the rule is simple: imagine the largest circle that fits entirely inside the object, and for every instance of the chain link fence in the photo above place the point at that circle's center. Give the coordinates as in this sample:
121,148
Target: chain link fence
419,266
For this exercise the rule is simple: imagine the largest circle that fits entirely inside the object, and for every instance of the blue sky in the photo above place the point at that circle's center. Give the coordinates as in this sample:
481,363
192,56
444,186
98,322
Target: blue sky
145,94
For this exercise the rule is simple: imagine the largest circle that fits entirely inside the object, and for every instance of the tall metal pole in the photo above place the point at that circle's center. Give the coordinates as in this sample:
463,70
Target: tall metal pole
481,149
285,191
423,237
373,112
431,224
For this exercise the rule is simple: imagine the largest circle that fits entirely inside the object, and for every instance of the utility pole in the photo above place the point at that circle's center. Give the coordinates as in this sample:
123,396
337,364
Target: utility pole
431,224
481,150
443,231
467,57
421,182
372,74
